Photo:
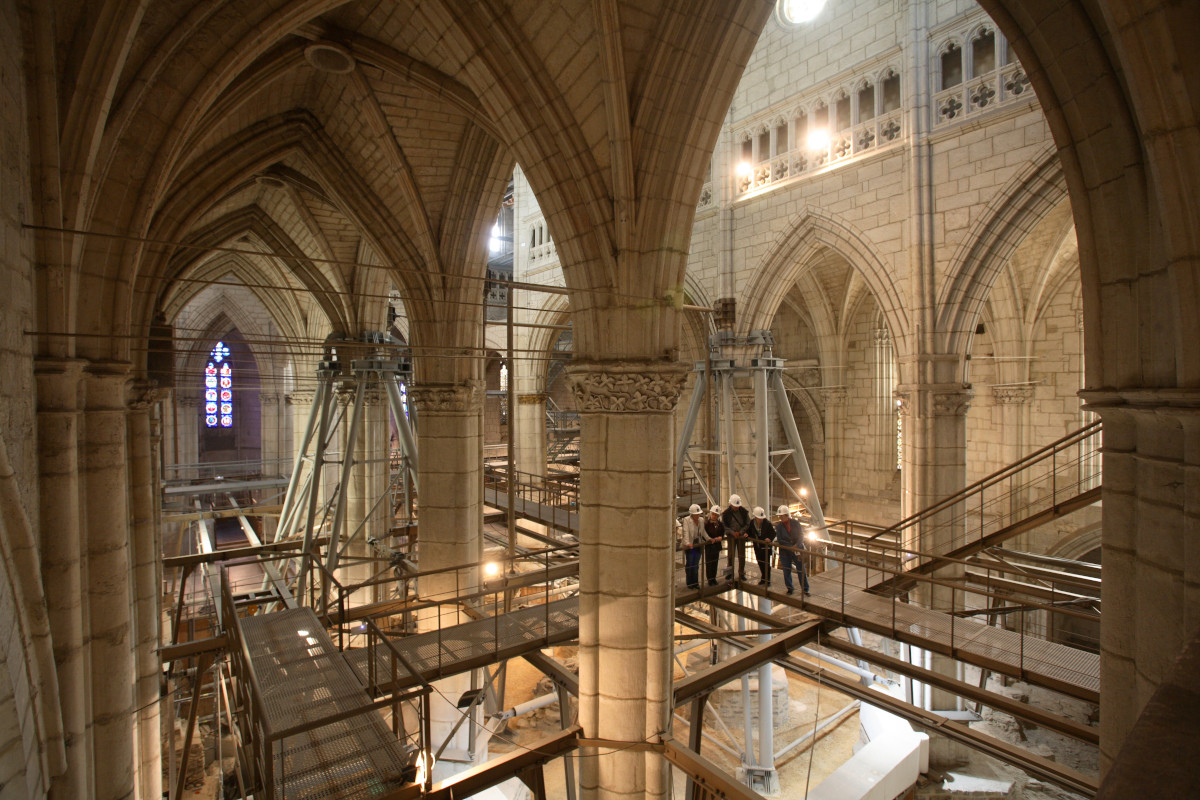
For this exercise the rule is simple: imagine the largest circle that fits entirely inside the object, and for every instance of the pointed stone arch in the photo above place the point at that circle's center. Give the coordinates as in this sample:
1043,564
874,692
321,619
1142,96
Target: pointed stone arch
810,230
1025,200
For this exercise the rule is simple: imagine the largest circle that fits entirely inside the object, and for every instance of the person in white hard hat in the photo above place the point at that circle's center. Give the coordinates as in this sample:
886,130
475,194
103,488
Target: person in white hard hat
761,534
737,525
714,534
693,542
791,540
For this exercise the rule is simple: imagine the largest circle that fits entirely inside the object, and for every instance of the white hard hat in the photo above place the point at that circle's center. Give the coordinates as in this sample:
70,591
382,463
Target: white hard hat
694,509
715,510
759,513
735,501
782,511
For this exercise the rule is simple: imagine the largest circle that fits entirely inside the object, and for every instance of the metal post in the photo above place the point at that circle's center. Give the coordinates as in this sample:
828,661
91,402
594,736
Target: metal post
392,384
727,412
801,461
324,378
512,412
689,423
343,491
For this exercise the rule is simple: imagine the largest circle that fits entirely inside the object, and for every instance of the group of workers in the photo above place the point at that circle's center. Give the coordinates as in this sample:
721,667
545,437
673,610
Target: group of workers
703,539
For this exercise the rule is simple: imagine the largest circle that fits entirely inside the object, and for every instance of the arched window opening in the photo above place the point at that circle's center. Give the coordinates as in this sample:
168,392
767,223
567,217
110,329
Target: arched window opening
983,53
952,66
218,388
891,92
866,103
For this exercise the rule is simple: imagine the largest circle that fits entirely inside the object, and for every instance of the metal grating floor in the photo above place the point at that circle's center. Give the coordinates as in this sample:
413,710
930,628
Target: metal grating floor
303,678
1049,664
438,654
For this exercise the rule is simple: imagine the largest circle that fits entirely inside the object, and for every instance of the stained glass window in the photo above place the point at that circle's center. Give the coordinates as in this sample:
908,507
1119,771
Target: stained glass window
218,388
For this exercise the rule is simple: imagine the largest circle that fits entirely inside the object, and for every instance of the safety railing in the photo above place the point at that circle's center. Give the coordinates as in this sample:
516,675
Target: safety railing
478,613
209,470
273,759
939,611
1061,477
547,491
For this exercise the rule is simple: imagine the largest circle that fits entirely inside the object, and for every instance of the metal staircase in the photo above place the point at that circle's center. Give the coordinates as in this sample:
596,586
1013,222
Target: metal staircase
1060,478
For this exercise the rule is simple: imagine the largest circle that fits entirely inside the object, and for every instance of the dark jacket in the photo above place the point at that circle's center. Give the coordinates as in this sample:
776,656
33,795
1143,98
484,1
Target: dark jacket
736,520
713,528
762,530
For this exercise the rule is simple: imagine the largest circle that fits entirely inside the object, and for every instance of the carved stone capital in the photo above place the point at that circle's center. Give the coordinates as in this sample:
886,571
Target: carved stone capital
834,396
532,399
141,394
455,398
810,378
637,387
881,337
301,398
952,404
1012,395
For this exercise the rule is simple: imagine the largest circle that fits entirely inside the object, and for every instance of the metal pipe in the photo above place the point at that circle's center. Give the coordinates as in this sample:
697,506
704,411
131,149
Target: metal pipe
866,674
801,461
689,423
343,491
325,379
541,701
407,442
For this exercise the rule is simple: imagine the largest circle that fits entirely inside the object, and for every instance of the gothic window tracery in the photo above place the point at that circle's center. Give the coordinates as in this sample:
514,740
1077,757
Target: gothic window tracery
218,388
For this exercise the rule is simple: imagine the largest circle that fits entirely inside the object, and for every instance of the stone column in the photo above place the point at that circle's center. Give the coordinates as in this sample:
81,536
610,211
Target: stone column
1151,530
450,527
834,401
1014,404
59,389
108,588
187,430
147,582
626,597
529,446
935,466
301,403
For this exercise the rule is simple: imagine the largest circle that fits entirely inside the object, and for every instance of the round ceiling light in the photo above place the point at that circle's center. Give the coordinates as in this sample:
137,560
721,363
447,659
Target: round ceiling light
329,57
798,11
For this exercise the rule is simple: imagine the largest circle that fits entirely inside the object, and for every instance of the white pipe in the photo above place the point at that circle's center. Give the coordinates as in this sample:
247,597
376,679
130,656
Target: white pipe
865,674
529,705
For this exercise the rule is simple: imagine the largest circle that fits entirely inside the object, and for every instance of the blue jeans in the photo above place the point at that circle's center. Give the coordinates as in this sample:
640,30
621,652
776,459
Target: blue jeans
788,559
691,566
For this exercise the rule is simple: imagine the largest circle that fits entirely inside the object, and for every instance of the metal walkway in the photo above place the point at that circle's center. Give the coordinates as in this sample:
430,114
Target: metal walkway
304,680
1060,667
556,517
442,653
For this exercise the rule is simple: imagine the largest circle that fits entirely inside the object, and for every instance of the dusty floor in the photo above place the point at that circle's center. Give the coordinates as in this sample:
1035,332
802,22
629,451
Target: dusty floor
808,704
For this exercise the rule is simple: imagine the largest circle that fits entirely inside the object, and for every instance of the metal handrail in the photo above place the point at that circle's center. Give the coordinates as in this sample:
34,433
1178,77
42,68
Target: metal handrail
1038,456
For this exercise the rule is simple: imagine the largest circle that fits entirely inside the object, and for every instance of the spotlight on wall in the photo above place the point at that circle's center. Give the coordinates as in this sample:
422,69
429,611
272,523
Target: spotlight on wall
491,569
812,536
803,492
744,170
817,140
